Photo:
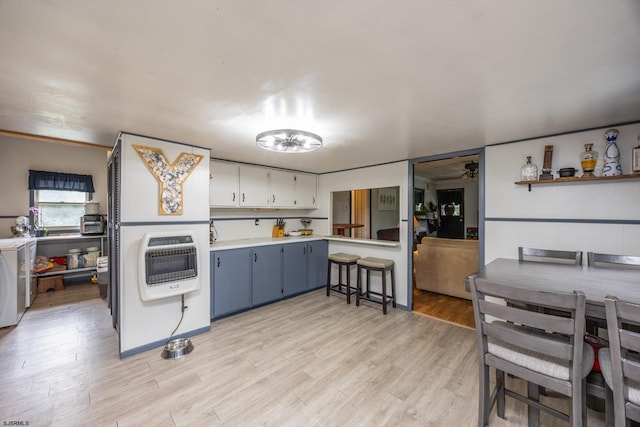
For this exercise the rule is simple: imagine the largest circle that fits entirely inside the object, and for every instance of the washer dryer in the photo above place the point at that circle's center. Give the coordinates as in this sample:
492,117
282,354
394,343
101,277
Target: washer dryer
31,290
13,280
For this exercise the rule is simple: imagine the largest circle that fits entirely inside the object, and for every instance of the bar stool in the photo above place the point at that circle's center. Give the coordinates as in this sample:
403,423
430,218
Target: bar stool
376,264
341,259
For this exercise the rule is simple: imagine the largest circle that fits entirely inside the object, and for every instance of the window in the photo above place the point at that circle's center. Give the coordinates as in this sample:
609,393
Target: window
59,197
60,209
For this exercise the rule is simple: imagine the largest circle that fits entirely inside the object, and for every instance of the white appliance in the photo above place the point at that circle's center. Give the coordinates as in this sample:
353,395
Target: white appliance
13,280
31,289
158,197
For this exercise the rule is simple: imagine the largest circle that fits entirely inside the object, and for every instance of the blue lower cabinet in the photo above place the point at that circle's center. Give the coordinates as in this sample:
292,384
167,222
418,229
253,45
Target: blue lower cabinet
317,253
294,262
249,277
231,281
267,274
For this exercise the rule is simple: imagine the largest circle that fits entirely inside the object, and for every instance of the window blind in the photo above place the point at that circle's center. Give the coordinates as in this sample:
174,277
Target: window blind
43,180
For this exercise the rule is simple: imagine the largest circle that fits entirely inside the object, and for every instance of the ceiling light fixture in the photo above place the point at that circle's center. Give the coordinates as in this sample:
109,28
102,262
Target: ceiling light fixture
288,141
471,170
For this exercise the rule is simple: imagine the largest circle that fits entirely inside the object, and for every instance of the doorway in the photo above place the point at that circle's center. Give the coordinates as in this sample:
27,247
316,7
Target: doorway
452,203
451,210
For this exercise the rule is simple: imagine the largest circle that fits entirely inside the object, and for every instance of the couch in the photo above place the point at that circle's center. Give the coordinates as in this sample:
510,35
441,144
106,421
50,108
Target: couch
441,265
392,234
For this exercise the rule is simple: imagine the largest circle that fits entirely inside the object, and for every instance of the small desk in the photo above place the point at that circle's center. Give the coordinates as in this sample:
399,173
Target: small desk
595,283
340,228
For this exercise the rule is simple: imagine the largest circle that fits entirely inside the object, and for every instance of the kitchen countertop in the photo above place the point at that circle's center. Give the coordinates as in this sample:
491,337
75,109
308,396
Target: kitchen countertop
264,241
260,241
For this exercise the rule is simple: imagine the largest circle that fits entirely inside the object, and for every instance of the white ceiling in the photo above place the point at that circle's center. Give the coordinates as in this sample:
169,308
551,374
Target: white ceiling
380,81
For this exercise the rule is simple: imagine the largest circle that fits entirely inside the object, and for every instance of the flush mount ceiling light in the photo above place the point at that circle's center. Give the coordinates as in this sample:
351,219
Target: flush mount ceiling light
288,141
471,170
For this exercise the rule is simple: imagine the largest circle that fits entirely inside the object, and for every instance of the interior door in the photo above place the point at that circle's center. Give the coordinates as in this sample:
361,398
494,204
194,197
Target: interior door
451,210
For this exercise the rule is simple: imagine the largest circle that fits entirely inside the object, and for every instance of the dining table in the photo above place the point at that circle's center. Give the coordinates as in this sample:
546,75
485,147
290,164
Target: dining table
595,282
341,228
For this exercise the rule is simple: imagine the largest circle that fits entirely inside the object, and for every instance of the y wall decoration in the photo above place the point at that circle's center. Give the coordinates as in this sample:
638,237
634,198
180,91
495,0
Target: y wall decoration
170,177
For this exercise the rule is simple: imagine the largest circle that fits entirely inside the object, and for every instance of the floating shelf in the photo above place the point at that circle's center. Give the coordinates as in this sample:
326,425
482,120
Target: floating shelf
574,179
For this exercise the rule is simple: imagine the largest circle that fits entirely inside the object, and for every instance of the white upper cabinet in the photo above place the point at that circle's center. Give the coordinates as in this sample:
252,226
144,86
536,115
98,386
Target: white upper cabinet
283,186
254,187
306,191
223,188
234,185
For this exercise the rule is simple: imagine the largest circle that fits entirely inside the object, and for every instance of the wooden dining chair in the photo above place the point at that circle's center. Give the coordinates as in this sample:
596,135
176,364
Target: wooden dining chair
541,348
549,255
595,259
620,362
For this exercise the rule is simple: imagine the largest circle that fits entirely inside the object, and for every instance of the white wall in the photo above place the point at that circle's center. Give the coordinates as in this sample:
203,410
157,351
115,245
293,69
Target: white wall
585,208
341,207
389,175
18,155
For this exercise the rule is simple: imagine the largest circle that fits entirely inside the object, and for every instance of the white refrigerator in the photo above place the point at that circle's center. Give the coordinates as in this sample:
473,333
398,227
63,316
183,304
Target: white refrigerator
158,227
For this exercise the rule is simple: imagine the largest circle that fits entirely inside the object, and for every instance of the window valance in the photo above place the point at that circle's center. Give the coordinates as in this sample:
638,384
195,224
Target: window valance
43,180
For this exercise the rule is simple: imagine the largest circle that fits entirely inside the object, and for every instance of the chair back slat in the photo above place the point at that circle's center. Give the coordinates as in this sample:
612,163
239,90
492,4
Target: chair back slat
528,338
514,314
595,259
630,340
631,369
549,255
557,300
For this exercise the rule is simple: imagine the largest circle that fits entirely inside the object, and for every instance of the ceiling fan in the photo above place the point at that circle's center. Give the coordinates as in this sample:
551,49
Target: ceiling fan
471,170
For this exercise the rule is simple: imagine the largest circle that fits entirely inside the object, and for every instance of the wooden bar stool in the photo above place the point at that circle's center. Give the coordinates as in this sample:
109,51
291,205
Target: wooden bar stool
341,259
376,264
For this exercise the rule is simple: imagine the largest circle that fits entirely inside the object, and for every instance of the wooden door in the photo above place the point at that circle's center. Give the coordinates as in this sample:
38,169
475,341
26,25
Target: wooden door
451,211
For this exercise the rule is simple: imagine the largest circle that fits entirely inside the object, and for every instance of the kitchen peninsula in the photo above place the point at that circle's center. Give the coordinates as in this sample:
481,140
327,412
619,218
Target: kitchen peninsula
248,273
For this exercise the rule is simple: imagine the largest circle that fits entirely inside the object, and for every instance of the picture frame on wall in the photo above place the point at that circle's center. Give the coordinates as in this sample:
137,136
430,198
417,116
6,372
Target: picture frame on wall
387,199
635,159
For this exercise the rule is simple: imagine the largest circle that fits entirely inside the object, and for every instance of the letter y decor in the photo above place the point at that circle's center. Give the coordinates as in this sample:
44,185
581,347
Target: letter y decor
170,177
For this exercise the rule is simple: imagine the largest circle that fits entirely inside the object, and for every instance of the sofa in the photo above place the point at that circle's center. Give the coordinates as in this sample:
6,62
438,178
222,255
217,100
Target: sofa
441,265
392,234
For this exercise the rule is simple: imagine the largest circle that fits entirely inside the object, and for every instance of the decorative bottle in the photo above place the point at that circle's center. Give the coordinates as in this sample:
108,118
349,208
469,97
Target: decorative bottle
588,160
612,166
529,171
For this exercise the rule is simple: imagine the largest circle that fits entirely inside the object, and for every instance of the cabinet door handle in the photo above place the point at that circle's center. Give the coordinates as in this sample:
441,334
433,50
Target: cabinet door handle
234,197
243,197
310,249
274,199
304,250
314,200
255,257
218,261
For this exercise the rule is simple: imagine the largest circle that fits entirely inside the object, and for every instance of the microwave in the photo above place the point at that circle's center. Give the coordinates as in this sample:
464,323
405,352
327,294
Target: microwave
92,224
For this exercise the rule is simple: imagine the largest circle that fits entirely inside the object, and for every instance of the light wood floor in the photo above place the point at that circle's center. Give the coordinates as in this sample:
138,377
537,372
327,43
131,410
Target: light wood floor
308,361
